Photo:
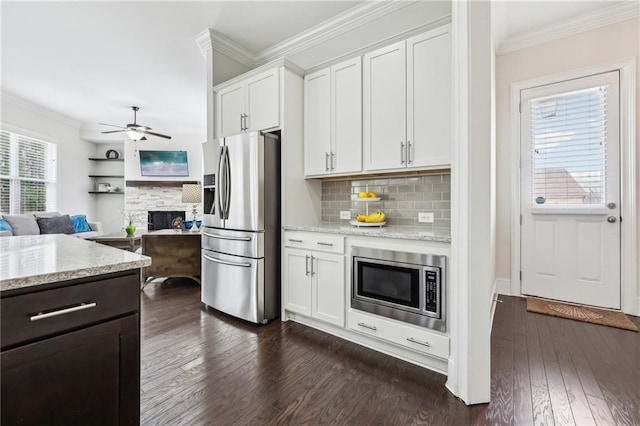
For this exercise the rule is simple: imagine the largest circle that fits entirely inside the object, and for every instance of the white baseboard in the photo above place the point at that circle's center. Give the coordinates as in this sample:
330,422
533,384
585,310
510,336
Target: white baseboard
503,286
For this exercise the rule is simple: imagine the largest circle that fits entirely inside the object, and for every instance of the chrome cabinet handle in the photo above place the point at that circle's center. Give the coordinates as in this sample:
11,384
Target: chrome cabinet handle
332,154
225,262
221,237
408,152
412,340
306,264
611,219
401,152
241,122
80,307
370,327
320,243
312,273
326,161
295,241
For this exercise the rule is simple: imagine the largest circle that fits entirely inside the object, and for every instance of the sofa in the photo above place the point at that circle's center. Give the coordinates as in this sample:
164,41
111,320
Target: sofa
48,223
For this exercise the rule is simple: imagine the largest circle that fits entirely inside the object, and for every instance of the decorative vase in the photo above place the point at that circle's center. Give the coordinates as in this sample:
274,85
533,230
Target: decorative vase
131,230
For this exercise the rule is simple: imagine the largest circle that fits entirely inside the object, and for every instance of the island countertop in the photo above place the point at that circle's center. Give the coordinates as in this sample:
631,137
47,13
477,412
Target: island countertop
32,260
401,232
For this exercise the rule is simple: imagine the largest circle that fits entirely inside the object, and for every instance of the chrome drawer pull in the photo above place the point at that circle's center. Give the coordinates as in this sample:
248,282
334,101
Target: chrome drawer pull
225,262
80,307
295,241
320,243
412,340
223,237
370,327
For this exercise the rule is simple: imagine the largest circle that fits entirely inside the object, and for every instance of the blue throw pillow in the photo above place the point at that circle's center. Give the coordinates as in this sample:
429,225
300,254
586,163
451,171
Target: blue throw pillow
4,226
80,223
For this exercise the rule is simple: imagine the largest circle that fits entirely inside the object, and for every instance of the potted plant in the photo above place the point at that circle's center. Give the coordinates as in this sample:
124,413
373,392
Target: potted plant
130,217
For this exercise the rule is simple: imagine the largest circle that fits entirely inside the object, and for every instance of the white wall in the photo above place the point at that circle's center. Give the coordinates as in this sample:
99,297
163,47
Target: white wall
607,44
73,153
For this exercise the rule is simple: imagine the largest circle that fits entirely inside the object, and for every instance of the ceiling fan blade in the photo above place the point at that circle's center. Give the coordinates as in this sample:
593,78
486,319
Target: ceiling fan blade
112,125
115,131
156,134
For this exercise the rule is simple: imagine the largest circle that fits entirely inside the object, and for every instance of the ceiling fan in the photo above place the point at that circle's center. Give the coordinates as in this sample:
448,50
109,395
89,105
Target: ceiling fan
135,131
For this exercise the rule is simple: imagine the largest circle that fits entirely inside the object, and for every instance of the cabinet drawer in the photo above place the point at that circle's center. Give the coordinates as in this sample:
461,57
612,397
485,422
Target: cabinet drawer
30,316
404,335
315,241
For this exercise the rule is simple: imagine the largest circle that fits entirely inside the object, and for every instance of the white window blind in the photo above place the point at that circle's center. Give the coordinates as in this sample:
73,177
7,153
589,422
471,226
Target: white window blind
27,174
568,148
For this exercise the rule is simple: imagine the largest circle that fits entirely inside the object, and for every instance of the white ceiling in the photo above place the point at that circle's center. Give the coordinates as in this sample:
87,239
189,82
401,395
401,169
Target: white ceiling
90,61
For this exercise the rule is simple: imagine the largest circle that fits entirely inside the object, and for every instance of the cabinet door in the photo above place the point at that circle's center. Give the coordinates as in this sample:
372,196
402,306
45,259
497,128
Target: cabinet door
346,109
317,123
328,288
384,111
297,282
429,99
90,376
229,109
263,101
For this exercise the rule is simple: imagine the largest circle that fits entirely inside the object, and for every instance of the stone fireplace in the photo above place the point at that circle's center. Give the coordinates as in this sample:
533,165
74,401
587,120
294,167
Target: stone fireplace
142,197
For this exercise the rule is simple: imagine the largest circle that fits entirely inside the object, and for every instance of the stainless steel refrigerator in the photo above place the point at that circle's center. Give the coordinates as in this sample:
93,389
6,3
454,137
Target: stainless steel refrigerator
241,226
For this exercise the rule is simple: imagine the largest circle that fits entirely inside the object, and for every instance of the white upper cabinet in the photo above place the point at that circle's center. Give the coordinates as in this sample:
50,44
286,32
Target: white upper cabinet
385,108
429,99
333,119
317,122
251,104
407,103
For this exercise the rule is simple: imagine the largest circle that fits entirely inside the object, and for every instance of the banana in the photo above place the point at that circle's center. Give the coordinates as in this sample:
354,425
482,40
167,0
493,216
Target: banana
361,218
376,217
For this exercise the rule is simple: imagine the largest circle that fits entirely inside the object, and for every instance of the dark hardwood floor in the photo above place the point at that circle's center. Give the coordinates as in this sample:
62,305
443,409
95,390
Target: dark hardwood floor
202,367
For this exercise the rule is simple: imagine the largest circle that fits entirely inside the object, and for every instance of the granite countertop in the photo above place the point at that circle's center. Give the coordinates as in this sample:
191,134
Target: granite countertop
401,232
32,260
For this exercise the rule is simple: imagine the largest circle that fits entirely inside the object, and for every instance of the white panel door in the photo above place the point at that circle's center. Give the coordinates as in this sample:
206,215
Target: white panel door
328,288
229,110
263,101
384,108
570,202
317,123
429,99
297,281
346,111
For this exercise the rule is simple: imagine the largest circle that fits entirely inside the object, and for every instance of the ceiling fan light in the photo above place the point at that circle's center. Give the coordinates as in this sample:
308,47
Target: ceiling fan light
134,135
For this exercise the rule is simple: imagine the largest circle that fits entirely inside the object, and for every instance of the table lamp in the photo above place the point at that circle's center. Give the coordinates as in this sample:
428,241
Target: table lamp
192,193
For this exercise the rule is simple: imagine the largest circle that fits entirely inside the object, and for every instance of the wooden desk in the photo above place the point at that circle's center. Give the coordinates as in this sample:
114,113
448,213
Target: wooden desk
173,253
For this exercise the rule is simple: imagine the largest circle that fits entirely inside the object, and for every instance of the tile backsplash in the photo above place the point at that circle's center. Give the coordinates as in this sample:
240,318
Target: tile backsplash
402,198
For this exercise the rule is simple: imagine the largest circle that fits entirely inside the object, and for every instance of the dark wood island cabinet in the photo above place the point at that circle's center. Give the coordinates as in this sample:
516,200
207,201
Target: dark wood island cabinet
70,351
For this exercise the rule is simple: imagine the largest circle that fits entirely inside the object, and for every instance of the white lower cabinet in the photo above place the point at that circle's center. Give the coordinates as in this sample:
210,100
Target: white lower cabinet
314,276
407,335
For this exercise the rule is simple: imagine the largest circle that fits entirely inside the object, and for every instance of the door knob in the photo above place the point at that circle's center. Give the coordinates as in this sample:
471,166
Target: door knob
611,219
611,205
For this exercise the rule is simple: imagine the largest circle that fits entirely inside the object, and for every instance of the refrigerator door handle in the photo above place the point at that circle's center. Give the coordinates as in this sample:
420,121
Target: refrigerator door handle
227,182
225,262
221,237
220,197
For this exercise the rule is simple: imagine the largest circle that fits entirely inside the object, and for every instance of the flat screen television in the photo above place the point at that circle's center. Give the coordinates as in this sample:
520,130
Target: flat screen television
164,163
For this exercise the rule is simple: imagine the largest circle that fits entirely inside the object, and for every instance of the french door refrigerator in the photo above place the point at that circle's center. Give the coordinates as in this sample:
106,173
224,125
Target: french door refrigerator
241,226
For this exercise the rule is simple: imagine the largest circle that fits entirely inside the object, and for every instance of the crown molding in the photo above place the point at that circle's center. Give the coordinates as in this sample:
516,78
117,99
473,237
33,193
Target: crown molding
340,24
589,21
232,49
19,102
349,20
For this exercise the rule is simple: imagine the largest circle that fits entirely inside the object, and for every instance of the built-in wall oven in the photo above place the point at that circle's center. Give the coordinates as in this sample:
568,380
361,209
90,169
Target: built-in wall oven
408,287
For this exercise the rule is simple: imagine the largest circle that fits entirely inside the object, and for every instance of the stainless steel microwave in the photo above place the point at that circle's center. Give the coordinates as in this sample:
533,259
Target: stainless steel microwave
408,287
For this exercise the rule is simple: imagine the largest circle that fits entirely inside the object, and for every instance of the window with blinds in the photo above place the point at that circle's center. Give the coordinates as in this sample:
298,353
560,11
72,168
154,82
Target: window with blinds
27,174
568,148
